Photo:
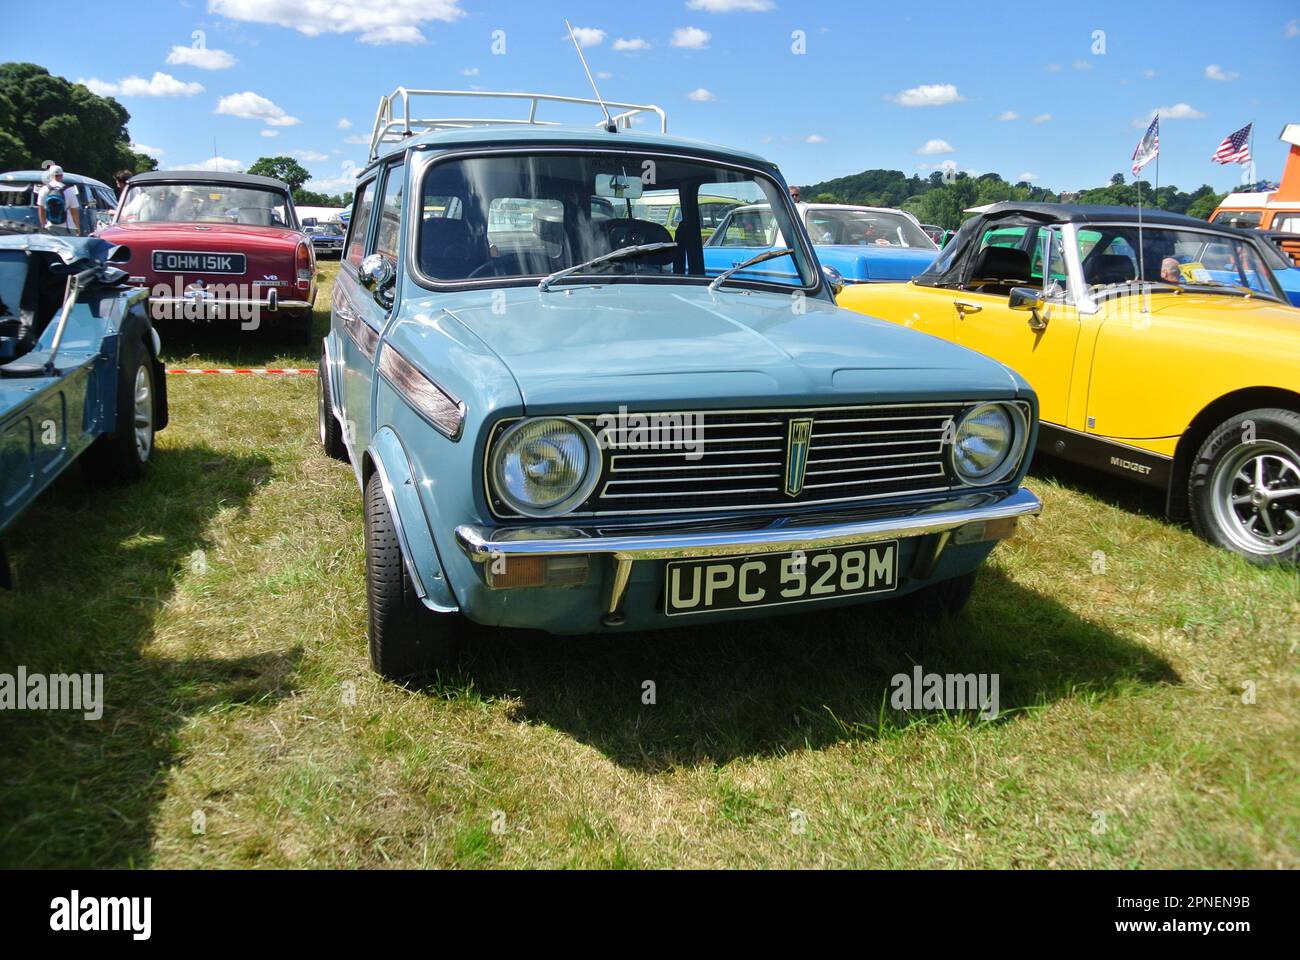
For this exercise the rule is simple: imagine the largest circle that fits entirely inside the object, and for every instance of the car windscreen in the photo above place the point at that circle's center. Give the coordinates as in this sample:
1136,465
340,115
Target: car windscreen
512,216
1114,256
18,193
204,203
866,228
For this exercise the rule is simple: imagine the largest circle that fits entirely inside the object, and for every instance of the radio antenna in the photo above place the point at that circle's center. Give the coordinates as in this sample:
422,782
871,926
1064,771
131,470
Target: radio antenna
609,121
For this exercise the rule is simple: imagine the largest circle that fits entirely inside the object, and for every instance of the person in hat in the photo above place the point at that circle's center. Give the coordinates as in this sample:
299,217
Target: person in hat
57,206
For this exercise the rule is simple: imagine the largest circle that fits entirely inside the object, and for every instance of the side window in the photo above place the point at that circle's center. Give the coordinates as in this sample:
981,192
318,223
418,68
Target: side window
390,213
1287,222
752,228
360,224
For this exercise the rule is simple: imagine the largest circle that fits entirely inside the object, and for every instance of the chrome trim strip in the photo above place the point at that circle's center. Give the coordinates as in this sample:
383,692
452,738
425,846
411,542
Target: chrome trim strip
481,543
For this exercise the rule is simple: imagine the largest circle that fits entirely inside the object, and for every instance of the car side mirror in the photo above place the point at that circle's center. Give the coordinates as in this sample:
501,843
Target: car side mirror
1027,298
378,274
834,280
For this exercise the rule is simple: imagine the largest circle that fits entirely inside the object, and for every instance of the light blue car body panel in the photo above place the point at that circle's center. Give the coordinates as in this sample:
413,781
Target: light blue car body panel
28,215
78,402
509,350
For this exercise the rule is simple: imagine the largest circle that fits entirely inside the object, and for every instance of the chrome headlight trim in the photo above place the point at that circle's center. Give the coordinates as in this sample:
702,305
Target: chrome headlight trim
443,411
1012,458
576,497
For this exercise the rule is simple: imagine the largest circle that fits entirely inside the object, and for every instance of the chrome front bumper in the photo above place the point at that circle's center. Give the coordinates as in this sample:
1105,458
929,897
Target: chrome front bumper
961,517
271,303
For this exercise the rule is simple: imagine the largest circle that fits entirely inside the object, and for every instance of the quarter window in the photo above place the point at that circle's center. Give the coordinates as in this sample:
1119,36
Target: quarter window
360,225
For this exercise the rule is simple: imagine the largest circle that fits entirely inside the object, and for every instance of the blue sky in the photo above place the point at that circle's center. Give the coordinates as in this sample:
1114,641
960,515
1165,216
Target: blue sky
1041,89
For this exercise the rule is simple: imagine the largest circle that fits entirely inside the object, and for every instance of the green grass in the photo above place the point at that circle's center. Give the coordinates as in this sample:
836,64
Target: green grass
224,600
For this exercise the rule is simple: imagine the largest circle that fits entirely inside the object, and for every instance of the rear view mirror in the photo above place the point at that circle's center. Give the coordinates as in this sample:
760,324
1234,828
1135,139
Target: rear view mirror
618,186
1027,298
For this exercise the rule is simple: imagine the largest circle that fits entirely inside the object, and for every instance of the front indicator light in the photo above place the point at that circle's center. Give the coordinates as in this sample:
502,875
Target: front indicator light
502,573
445,412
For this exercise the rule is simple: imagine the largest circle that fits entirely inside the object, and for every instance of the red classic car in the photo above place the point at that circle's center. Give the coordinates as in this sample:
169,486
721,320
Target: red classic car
218,246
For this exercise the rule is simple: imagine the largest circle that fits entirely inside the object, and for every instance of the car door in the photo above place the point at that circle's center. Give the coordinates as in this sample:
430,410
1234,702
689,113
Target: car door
354,317
1039,345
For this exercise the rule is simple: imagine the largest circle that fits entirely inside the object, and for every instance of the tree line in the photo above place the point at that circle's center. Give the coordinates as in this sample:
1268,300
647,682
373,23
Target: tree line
942,198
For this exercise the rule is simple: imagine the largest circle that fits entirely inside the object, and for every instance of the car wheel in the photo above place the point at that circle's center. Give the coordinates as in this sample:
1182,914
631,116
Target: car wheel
120,458
331,432
1244,486
298,328
406,639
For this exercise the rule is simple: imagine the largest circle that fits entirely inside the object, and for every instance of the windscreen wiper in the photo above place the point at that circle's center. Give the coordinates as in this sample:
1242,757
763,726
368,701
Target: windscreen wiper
725,275
621,253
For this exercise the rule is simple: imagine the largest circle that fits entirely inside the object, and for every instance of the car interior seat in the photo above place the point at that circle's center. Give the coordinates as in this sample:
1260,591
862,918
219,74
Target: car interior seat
1109,268
633,232
449,249
1000,267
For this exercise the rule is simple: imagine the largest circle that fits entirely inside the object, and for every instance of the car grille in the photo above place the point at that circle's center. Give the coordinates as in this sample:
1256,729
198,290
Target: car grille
854,453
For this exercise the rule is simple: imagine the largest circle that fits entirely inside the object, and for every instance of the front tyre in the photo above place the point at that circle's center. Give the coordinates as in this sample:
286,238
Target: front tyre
120,458
406,638
1244,486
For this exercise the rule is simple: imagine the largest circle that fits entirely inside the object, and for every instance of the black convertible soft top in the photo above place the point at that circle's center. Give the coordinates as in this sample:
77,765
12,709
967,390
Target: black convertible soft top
950,268
209,176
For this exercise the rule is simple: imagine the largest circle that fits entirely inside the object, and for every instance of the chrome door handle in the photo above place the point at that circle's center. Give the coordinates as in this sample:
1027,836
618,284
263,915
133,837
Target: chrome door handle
965,306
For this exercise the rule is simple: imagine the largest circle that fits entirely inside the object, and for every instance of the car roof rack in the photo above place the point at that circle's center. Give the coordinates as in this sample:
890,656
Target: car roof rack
395,122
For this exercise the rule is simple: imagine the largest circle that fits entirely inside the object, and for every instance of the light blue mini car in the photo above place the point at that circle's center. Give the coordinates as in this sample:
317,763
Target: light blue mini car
562,419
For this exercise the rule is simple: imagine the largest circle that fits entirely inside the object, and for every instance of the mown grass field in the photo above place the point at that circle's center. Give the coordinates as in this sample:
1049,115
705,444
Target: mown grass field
224,600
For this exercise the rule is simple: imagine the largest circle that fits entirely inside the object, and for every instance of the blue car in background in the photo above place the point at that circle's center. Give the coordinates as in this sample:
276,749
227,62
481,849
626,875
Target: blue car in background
18,200
861,244
80,376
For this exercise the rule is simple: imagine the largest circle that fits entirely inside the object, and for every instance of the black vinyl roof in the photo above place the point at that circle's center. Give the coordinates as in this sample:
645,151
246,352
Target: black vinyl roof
210,176
1090,213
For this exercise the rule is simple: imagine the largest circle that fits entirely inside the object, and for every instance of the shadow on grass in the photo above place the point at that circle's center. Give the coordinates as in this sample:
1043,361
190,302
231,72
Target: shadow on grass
1114,491
93,569
768,687
226,345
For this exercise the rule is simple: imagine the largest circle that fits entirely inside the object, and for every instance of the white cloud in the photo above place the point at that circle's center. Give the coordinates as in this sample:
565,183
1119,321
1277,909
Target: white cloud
374,21
636,43
310,156
1148,74
154,152
1008,115
1082,65
469,72
218,164
205,58
345,123
253,106
603,75
1042,118
1027,176
268,132
1293,28
589,36
357,138
691,38
730,6
814,138
346,179
1053,68
1216,72
159,85
700,96
934,147
927,95
1179,111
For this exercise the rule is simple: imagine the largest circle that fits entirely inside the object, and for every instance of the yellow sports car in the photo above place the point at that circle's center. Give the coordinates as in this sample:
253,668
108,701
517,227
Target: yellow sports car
1186,379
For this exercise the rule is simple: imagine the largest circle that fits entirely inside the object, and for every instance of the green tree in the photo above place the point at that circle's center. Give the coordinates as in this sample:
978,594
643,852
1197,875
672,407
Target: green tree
44,117
1205,204
282,168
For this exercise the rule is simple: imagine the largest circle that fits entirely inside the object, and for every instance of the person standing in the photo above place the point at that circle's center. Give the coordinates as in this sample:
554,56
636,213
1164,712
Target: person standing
121,178
57,206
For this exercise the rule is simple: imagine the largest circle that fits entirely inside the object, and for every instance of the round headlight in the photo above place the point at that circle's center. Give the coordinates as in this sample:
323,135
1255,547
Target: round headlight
989,441
546,466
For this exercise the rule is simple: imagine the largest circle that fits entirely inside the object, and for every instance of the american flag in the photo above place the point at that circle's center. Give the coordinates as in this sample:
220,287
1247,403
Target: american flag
1235,147
1148,147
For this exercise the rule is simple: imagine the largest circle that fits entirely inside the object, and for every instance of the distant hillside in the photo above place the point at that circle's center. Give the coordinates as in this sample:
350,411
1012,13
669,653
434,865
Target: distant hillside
934,201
